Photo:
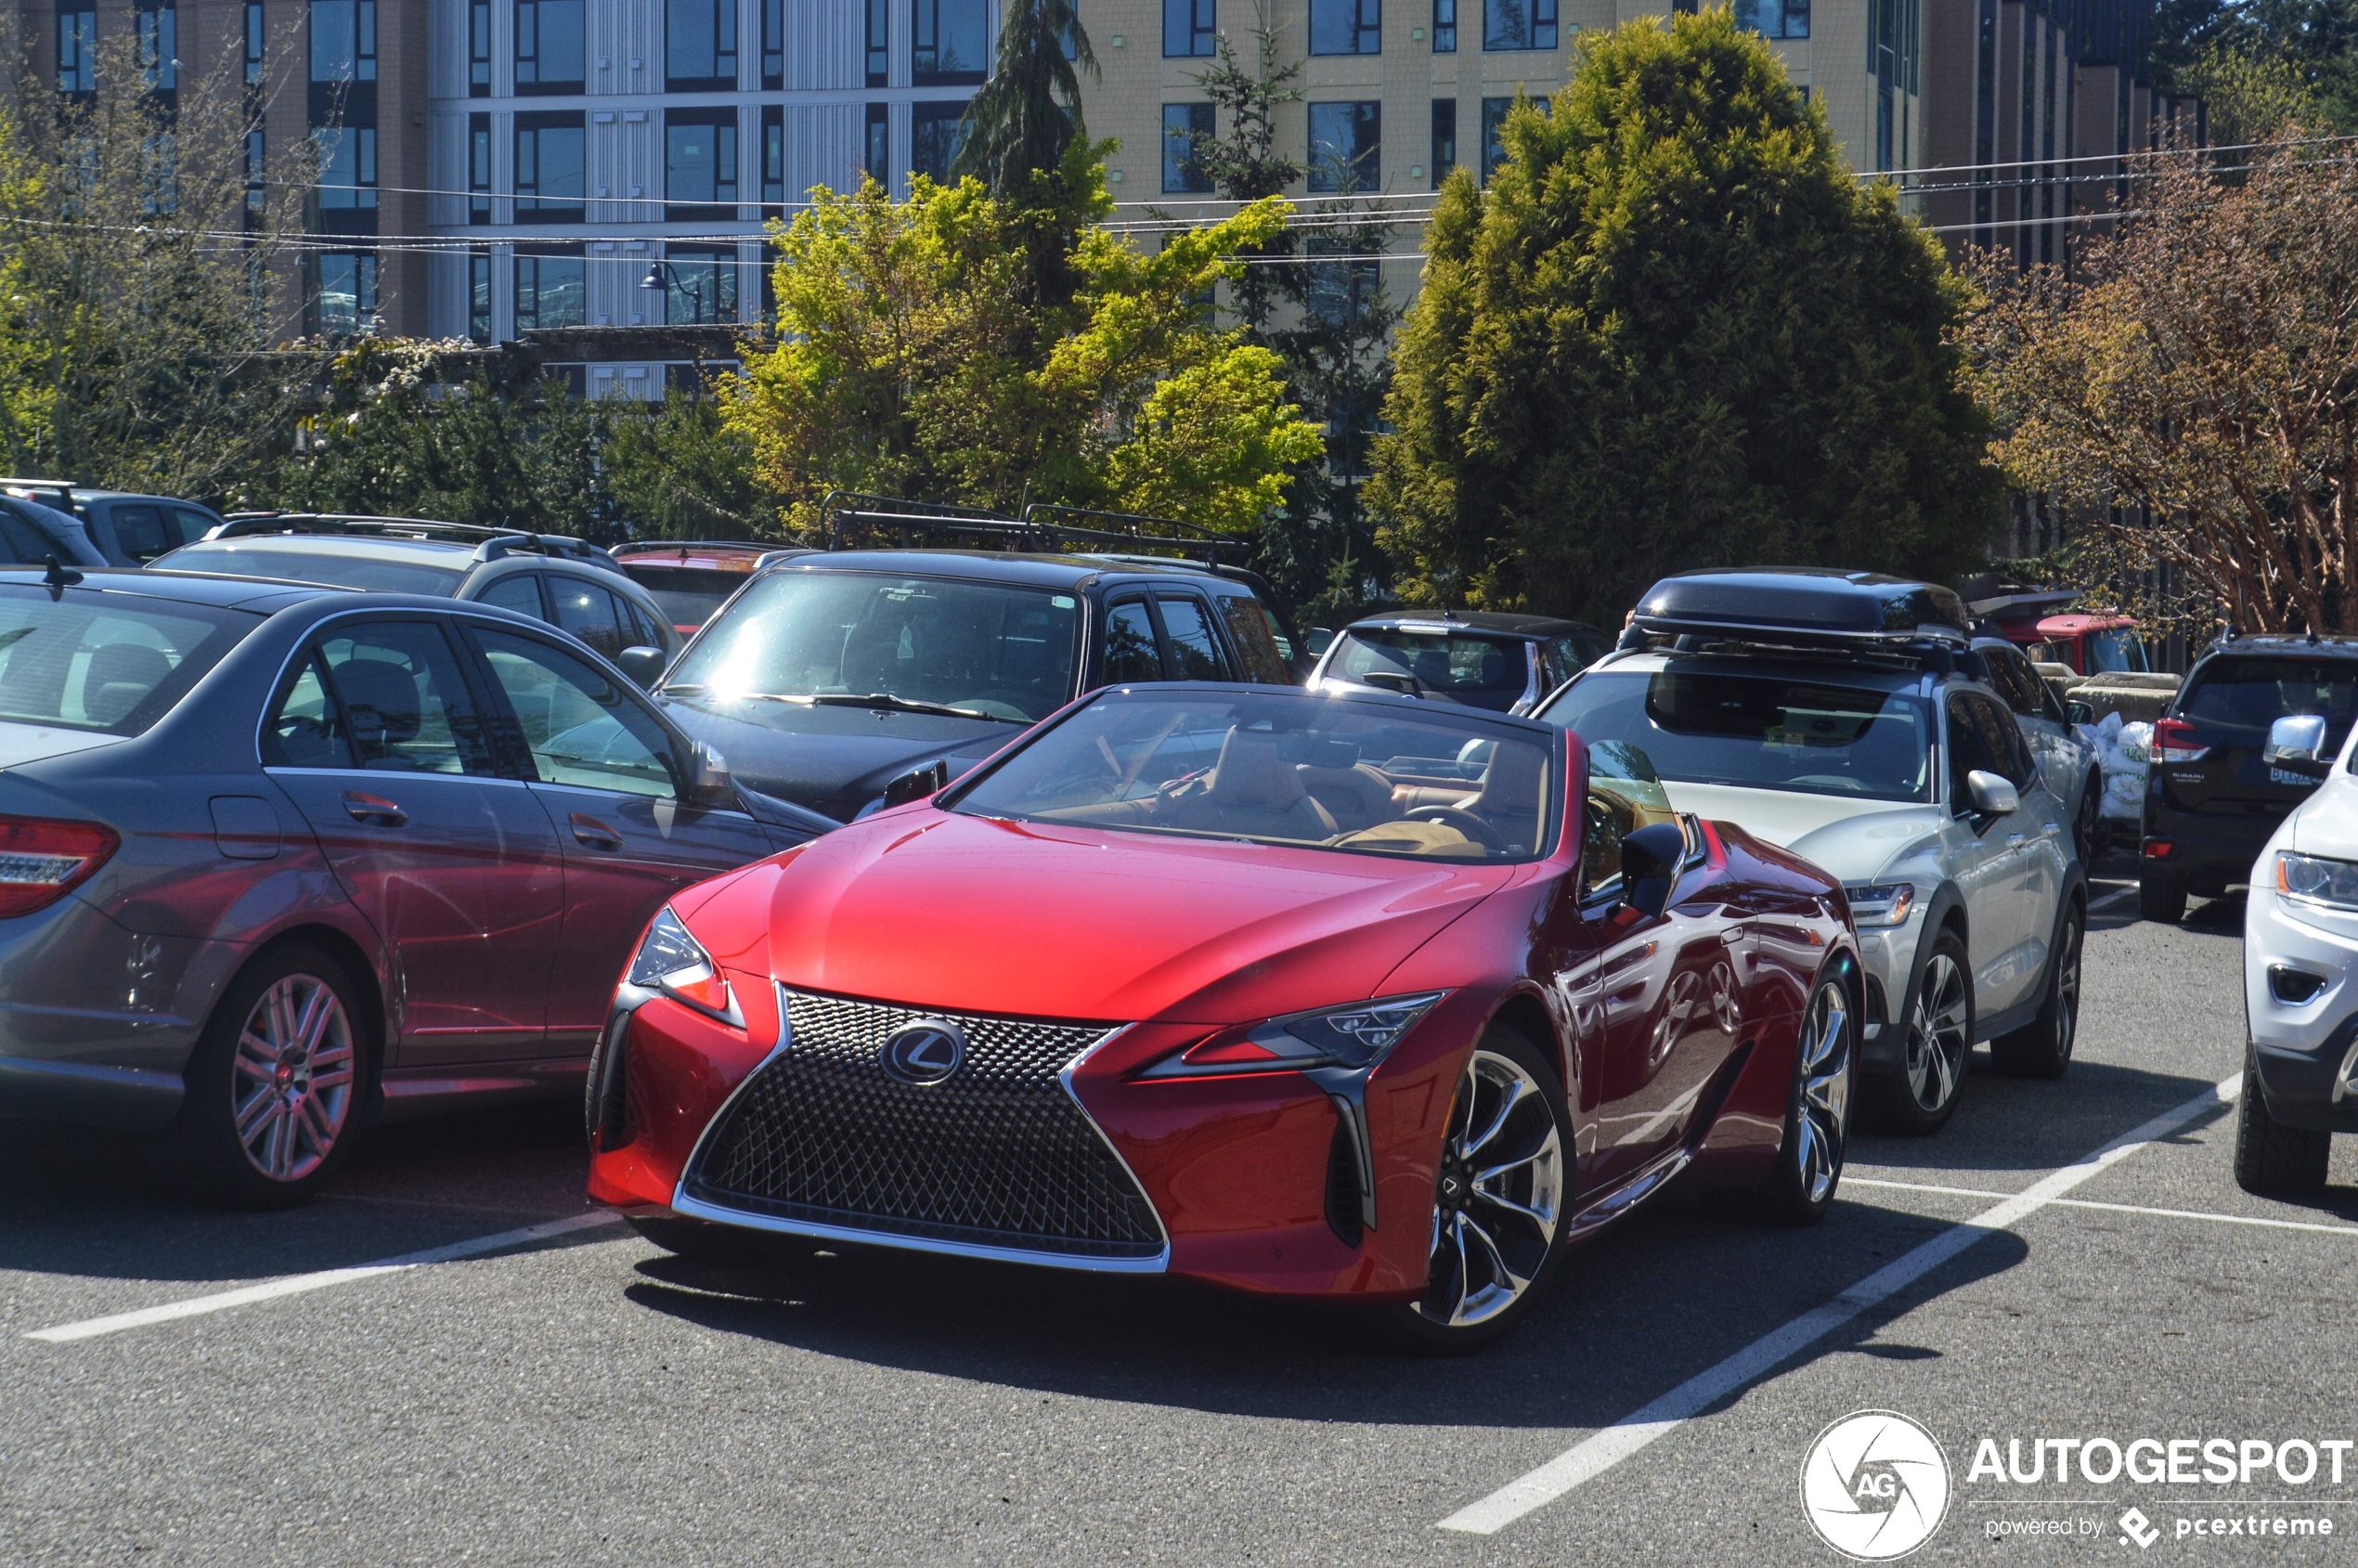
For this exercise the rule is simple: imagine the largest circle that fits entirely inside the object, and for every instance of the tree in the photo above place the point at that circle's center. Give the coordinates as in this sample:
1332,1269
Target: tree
1675,332
2207,47
1025,140
678,470
2194,392
2248,91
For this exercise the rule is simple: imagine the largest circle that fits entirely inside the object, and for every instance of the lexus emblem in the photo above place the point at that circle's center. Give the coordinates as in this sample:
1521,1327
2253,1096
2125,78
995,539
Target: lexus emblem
926,1052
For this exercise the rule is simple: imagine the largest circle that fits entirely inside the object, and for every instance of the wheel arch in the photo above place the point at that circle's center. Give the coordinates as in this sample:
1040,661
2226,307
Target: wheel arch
1524,1013
360,969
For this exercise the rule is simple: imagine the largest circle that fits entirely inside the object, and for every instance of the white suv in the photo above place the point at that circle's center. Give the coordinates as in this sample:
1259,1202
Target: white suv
1844,717
2301,956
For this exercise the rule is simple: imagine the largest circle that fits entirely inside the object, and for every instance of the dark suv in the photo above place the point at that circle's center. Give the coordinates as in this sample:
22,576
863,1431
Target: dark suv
2213,800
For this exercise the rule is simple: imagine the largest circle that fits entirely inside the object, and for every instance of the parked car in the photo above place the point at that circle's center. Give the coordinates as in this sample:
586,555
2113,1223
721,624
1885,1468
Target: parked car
836,678
571,585
1833,713
2212,797
1343,964
691,580
2039,622
125,529
2301,956
30,533
2067,761
1504,663
279,859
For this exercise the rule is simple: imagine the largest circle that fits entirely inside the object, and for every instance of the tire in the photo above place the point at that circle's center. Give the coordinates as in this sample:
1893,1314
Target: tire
703,1242
2161,897
2269,1157
1495,1239
2088,832
1919,1099
1801,1187
2041,1048
276,1083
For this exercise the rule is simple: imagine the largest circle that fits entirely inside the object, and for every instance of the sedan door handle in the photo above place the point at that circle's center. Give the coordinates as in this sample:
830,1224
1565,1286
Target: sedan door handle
366,808
589,831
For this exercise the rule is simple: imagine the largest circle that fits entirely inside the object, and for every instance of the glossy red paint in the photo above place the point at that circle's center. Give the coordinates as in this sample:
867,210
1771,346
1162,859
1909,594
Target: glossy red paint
1673,1034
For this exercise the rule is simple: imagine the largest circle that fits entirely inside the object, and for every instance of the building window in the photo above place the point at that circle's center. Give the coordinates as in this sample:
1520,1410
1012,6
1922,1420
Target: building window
159,48
347,175
549,165
879,43
773,45
1444,139
257,194
1775,19
952,42
700,286
700,163
346,303
1344,138
1346,27
1188,27
773,155
478,168
700,43
479,296
479,48
77,36
1518,24
253,44
1445,27
343,41
935,132
548,46
1493,120
1186,127
879,165
550,290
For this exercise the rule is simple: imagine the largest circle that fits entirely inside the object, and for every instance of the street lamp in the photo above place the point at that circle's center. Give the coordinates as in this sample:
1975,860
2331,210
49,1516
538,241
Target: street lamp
654,279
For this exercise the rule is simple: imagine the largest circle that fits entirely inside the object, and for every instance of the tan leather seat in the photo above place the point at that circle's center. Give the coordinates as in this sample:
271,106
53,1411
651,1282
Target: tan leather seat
1251,790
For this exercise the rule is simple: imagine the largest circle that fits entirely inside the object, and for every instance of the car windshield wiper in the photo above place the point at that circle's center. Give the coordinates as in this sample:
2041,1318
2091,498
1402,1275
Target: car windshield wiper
896,704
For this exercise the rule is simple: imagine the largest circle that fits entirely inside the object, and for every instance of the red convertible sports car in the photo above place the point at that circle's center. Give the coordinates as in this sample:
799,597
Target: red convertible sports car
1344,995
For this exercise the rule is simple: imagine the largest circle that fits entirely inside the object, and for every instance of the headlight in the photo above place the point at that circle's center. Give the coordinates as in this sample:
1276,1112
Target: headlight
1355,1037
2319,881
1884,904
674,962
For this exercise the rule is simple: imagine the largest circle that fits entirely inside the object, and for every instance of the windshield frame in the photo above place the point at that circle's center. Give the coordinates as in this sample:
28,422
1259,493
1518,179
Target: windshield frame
1555,742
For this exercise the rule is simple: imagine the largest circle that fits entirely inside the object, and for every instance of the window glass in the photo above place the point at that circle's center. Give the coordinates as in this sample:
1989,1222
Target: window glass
1623,796
700,157
1188,28
950,41
1130,645
1346,27
87,663
1479,670
1518,24
1774,19
138,531
329,568
1444,136
1186,127
305,730
520,593
638,628
1344,147
189,526
1983,737
2233,700
701,38
1444,36
550,292
688,594
1255,635
550,151
699,285
403,702
21,542
581,728
1195,652
548,46
2113,650
587,611
935,130
343,40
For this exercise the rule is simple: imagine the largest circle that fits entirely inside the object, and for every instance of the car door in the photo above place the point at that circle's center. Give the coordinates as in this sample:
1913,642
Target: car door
377,736
1989,857
616,783
2038,717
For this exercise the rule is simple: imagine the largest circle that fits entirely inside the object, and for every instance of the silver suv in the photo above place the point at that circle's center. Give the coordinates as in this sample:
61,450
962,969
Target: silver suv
1845,718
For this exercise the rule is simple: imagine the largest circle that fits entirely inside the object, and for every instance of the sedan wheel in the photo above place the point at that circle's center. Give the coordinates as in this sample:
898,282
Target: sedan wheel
1921,1097
1817,1137
274,1085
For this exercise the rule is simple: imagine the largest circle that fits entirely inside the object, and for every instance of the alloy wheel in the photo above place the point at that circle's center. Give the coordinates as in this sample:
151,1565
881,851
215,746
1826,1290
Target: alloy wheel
1937,1030
1824,1123
2068,991
292,1090
1500,1194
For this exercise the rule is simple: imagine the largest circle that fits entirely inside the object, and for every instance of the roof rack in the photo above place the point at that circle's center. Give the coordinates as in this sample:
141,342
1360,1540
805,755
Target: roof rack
491,543
1042,527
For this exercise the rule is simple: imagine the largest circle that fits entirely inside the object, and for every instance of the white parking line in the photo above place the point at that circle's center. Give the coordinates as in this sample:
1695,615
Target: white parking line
2119,1208
1593,1456
295,1284
2112,898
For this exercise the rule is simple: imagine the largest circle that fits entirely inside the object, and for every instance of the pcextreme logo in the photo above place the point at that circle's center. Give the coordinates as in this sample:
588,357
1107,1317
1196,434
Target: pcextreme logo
1875,1485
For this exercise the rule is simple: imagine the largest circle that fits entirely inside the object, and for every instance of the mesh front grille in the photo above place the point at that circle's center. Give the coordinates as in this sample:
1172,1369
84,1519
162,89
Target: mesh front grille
998,1155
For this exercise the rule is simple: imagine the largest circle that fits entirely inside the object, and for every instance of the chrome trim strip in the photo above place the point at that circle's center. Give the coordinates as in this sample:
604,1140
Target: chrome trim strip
1065,1077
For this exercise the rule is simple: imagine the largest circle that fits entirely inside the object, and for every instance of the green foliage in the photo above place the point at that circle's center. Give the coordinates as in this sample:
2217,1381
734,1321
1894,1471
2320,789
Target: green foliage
2251,92
676,470
1027,116
1675,332
2213,48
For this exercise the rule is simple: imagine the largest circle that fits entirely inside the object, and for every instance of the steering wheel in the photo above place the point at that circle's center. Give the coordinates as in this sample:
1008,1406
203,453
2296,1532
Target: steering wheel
1465,821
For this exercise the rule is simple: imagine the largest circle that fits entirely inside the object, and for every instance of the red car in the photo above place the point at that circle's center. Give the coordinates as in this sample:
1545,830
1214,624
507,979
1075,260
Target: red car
1345,995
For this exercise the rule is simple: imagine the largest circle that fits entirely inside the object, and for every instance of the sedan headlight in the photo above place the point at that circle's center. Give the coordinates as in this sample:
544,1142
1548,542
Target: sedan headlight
673,962
2320,881
1881,904
1353,1037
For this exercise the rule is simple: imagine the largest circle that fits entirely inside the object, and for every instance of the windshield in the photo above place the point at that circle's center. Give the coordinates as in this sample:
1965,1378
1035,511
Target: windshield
1287,768
987,649
1479,670
2235,700
326,568
2117,650
1758,731
104,662
688,594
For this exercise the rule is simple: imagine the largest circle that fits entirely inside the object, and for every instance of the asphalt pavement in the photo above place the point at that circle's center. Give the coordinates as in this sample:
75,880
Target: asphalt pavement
571,1395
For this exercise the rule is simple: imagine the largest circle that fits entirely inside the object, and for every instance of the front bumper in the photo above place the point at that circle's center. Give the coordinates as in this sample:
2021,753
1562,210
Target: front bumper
1888,955
2307,1051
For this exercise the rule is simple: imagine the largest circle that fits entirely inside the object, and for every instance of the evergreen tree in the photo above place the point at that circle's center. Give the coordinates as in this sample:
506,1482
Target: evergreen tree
1025,139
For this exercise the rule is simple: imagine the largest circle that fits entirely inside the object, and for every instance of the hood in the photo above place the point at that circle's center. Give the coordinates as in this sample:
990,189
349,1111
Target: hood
21,743
933,908
833,760
2326,823
1852,840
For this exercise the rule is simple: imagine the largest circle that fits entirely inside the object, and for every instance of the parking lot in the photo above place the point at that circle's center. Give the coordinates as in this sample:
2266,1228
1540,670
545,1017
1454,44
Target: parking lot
578,1396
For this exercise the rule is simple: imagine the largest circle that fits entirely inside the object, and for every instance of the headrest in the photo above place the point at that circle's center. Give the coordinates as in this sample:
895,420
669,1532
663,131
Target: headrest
130,664
381,698
1510,786
1250,774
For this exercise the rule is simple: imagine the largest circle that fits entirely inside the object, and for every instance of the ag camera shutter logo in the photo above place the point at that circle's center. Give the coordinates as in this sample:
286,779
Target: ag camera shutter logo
1875,1485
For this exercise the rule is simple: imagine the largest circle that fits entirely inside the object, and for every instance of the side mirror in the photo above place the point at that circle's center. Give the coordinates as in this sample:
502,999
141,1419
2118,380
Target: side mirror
712,774
642,664
2078,713
1405,684
1991,795
930,778
2297,737
1318,641
1650,860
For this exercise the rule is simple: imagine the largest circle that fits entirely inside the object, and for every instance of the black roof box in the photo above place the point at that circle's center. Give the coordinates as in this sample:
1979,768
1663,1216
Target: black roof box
1786,604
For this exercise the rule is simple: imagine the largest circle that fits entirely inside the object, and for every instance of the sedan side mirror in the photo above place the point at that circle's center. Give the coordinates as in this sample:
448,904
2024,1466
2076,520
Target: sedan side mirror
1649,861
1406,685
1991,795
931,779
2078,713
642,664
712,775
